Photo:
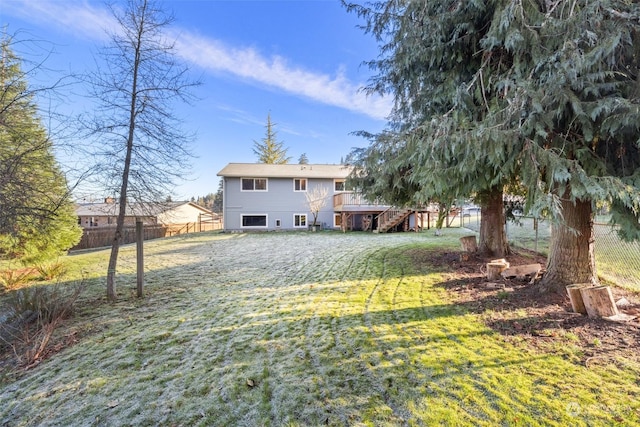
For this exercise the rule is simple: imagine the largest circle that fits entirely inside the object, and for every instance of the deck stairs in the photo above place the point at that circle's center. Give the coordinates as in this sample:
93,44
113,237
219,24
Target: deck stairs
390,218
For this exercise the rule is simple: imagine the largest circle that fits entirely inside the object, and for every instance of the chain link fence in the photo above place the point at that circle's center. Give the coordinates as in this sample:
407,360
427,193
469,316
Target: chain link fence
617,261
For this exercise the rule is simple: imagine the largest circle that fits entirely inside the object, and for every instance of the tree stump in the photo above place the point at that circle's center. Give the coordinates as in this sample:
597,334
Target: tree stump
598,301
469,244
495,269
575,296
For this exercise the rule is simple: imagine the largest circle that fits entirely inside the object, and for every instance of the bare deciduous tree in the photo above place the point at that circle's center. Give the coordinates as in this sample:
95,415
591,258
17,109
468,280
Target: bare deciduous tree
316,200
140,146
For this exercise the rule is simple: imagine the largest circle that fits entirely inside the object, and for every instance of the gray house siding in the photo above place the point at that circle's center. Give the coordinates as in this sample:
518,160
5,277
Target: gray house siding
278,205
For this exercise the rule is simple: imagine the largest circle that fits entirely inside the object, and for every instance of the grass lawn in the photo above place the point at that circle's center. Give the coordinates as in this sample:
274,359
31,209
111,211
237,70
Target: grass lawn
302,329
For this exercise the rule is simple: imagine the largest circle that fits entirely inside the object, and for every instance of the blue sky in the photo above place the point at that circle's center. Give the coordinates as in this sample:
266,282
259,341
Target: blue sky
299,60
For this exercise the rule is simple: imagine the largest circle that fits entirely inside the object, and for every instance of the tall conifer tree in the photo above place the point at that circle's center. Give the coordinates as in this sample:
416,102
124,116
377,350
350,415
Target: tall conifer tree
269,150
37,216
541,94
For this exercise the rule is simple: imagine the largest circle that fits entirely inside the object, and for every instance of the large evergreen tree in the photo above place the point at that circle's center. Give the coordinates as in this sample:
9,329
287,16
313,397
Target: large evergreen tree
37,215
269,150
542,93
429,63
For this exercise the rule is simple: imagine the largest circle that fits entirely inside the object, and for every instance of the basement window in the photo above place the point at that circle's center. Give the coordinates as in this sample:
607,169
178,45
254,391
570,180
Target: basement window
254,221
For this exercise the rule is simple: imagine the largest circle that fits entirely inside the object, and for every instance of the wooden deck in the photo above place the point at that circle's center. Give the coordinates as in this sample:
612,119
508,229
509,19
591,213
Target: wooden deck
358,213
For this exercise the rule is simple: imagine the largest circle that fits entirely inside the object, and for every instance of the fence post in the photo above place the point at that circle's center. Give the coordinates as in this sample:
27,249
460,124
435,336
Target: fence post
139,257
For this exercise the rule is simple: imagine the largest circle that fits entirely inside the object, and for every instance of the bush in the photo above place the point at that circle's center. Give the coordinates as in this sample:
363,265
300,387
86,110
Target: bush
50,271
32,315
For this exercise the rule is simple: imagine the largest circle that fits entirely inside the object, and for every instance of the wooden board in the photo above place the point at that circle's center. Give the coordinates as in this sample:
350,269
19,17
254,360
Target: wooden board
575,296
598,301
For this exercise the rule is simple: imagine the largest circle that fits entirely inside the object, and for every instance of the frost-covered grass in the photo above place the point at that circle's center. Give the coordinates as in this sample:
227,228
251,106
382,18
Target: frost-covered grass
301,329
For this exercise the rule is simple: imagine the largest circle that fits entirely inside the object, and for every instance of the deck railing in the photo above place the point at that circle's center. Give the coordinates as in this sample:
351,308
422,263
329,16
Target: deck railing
349,198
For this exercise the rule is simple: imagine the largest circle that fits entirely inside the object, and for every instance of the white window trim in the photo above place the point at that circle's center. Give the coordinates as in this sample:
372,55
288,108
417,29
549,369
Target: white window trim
255,226
335,216
306,220
344,181
306,185
254,185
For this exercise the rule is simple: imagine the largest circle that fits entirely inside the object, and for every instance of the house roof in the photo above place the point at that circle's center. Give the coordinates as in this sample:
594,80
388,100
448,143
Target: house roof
132,209
263,170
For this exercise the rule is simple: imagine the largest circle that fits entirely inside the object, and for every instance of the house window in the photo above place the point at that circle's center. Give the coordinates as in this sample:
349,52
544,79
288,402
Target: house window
254,184
338,185
278,223
254,220
300,220
300,184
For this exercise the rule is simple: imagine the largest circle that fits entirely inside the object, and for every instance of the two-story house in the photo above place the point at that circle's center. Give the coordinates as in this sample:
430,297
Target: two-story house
268,197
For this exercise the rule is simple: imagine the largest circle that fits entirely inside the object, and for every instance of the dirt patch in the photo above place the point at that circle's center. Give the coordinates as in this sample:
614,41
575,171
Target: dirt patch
516,308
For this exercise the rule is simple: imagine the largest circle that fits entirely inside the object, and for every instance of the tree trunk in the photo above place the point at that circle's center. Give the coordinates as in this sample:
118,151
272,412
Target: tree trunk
571,252
115,247
493,238
443,211
113,260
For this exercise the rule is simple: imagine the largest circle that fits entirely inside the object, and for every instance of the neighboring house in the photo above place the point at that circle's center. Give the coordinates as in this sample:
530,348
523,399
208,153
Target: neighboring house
266,197
166,213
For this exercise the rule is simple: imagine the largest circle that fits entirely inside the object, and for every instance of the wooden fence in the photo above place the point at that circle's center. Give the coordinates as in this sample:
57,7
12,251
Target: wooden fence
103,236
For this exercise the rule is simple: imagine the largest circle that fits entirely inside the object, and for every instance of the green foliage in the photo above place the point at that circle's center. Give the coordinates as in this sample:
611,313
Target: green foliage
51,270
269,150
211,201
37,218
539,95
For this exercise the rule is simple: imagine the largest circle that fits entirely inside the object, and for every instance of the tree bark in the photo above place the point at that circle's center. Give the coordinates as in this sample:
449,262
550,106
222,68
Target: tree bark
115,247
493,238
571,253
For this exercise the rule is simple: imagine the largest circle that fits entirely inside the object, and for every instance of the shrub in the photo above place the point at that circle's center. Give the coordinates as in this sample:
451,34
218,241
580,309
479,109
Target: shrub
50,271
32,315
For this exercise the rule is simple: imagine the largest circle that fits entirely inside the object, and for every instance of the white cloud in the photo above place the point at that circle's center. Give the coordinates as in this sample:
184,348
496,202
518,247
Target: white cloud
81,18
84,19
278,73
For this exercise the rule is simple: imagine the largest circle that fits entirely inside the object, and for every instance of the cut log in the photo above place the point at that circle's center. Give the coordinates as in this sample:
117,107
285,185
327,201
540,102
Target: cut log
494,269
577,305
501,261
598,301
469,244
521,271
